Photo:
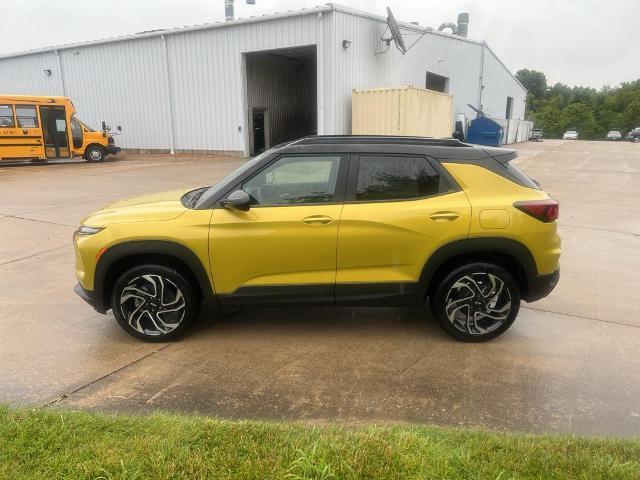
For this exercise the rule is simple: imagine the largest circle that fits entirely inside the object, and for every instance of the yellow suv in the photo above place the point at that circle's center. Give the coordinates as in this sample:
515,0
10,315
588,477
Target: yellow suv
345,220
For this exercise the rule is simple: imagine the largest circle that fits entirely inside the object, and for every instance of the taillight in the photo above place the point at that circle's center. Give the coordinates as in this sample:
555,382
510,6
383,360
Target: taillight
544,210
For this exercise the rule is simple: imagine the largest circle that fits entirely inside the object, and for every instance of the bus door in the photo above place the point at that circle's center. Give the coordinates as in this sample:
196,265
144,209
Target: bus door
54,129
20,132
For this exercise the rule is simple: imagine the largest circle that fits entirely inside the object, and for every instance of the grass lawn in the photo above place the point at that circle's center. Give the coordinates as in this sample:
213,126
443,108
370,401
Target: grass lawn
43,444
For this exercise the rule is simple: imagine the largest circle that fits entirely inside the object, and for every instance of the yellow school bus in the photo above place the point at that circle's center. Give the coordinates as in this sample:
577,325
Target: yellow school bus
45,128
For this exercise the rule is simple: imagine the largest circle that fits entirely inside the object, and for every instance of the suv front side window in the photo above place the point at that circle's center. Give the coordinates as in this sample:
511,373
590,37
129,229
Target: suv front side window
396,178
295,180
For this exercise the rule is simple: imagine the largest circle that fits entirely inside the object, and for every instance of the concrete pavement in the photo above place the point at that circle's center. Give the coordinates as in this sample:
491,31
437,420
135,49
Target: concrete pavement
570,363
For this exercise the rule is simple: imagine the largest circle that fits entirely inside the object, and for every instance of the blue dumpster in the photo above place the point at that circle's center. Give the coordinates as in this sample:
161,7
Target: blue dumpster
484,131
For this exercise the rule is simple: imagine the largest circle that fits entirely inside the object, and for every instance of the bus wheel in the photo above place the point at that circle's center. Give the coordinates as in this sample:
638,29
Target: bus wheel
94,154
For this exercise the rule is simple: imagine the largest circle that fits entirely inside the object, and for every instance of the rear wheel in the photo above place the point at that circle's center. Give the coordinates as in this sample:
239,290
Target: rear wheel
94,154
154,303
476,302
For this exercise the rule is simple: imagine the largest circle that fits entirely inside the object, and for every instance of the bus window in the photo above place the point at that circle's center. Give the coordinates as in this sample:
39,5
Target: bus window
6,116
27,117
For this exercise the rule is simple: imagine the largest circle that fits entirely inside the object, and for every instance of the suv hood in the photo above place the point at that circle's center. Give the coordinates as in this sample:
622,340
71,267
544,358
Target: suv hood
146,208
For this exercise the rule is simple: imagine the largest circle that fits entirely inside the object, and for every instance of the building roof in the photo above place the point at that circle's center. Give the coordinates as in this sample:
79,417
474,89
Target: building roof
262,18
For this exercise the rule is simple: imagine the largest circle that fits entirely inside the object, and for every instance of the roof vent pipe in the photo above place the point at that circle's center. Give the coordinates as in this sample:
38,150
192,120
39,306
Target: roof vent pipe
463,24
228,10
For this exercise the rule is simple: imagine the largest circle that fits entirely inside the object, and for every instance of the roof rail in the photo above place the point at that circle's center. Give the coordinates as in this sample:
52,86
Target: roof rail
379,139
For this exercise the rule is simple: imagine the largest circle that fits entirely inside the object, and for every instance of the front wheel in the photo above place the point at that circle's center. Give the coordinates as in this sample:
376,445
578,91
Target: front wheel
154,303
95,154
476,302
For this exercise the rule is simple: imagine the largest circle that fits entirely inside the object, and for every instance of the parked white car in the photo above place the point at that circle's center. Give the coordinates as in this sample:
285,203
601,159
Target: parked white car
570,135
614,135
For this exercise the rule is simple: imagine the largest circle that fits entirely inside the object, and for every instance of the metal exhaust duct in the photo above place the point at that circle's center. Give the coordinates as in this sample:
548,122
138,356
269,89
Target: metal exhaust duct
463,24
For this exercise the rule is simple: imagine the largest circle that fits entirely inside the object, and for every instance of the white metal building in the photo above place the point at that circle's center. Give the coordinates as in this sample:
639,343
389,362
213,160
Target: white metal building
214,87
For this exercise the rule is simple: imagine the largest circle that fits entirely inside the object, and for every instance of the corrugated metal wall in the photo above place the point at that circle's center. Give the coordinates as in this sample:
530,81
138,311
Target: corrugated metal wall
459,60
126,82
25,75
360,68
207,77
200,104
499,84
123,83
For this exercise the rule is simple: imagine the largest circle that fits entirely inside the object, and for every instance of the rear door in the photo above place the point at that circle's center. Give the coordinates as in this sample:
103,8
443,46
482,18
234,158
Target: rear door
399,209
20,132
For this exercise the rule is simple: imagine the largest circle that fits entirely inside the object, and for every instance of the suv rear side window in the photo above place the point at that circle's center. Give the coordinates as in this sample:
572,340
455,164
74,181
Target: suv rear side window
396,178
6,116
520,177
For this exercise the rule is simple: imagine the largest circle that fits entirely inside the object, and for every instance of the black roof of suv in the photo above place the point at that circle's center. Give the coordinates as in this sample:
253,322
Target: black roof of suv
446,150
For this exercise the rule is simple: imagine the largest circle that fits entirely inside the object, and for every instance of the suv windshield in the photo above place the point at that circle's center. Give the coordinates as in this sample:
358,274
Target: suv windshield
228,180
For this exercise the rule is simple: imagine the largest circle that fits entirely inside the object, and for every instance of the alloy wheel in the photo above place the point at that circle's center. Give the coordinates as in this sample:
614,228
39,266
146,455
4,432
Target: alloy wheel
152,305
478,303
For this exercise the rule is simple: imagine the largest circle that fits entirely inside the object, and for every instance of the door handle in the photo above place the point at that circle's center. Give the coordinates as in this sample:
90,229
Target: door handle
444,216
318,220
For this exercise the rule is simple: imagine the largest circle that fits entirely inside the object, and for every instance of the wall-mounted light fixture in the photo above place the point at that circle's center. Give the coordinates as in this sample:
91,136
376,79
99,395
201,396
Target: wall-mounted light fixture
346,44
47,72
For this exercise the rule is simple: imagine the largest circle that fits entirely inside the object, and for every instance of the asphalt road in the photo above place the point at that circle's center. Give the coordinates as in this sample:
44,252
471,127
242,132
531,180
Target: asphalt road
570,363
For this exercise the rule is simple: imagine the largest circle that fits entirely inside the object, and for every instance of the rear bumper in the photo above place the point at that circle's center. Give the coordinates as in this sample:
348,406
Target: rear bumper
112,149
89,297
541,286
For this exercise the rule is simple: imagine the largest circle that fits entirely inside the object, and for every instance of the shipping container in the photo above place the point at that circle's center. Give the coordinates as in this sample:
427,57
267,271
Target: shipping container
405,111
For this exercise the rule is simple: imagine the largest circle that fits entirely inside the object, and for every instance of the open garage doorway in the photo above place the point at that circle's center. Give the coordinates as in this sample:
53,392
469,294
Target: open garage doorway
281,96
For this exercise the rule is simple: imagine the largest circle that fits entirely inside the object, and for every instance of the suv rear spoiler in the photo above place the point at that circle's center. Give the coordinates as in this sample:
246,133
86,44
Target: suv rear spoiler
501,155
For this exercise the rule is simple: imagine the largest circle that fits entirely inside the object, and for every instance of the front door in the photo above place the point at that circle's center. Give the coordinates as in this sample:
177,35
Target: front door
399,210
284,247
54,128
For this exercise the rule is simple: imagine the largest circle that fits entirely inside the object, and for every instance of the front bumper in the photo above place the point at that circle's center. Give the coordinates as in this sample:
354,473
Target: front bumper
90,297
541,286
112,149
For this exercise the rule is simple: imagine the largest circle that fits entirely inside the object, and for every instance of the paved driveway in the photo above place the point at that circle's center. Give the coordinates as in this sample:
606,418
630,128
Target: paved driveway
570,363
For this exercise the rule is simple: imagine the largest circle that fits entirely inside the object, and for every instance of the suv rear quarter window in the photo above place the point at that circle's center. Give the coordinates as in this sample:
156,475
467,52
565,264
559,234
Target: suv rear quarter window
399,177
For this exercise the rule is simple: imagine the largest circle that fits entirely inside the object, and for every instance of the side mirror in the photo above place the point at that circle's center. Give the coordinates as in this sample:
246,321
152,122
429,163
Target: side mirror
238,200
104,126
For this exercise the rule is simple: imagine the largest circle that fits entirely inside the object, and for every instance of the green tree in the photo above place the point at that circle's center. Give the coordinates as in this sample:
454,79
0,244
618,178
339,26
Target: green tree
534,81
592,112
536,84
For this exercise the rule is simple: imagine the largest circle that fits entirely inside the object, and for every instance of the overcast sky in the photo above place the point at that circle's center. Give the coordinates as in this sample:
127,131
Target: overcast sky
578,42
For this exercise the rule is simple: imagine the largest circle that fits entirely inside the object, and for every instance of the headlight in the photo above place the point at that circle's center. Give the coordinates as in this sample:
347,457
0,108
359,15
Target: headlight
84,230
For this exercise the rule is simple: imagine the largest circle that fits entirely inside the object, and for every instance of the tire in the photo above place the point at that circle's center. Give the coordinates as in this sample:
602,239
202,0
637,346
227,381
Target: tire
95,154
469,293
154,303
